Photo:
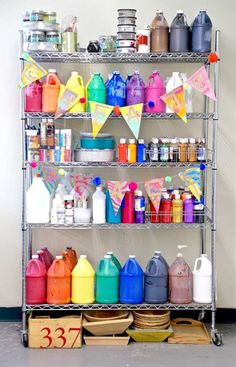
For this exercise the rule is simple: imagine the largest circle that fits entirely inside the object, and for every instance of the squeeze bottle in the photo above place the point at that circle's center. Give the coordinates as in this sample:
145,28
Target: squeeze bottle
139,207
95,90
99,203
127,207
177,209
188,209
135,89
116,91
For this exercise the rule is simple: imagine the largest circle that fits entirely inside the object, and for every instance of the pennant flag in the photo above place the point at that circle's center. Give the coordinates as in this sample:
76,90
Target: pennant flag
201,82
81,183
191,177
49,176
32,71
99,113
153,188
67,99
176,102
132,115
117,191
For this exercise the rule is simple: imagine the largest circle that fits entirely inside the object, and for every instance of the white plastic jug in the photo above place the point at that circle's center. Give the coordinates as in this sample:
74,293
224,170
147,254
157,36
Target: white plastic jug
99,206
37,201
202,273
173,83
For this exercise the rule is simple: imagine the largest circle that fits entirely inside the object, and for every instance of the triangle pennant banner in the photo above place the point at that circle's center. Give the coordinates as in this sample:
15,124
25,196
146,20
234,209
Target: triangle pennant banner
192,179
117,191
133,115
32,71
176,102
201,82
49,176
154,188
81,183
99,113
66,100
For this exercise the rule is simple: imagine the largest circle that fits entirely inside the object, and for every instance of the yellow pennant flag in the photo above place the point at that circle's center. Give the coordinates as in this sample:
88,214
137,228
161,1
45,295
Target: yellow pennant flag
32,71
99,113
66,100
133,115
176,102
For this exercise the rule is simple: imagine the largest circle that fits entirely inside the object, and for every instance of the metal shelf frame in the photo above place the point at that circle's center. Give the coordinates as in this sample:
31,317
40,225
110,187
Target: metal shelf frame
209,217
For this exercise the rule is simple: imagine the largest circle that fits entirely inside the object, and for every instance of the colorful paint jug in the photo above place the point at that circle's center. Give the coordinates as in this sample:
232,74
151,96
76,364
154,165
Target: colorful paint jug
127,207
76,85
83,280
159,33
70,253
116,91
135,90
35,281
202,280
111,217
58,282
154,90
107,281
201,32
33,97
44,258
51,90
114,259
131,282
179,33
156,280
95,90
49,255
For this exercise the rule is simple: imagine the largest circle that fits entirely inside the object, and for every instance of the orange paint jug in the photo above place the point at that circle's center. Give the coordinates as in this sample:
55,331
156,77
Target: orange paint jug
71,253
58,282
51,89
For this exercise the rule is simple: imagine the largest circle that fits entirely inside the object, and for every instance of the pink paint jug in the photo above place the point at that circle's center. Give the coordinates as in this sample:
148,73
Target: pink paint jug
33,97
154,90
35,281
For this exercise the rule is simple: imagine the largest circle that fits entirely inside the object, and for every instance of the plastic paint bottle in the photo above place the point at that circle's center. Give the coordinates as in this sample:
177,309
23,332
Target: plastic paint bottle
139,207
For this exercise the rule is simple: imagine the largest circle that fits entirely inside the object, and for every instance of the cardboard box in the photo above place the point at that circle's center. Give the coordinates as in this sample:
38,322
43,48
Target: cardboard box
51,332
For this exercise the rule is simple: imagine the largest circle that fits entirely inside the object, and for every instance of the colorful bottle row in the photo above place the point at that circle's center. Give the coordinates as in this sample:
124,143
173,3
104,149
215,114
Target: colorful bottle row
64,280
43,97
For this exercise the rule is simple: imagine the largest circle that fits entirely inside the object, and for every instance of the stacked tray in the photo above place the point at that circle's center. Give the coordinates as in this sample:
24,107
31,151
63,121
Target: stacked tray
126,34
152,319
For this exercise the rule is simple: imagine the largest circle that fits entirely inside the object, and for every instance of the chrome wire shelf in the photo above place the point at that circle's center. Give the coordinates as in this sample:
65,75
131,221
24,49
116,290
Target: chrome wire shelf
145,116
119,306
85,57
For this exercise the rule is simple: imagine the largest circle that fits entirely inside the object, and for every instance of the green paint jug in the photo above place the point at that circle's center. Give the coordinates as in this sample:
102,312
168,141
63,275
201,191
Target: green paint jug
107,281
95,90
115,260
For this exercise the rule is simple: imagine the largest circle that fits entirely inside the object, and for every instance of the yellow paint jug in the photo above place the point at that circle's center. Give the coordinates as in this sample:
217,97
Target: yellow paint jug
75,84
83,277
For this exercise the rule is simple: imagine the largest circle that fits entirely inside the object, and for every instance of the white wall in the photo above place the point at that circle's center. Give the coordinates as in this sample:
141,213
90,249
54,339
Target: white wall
99,17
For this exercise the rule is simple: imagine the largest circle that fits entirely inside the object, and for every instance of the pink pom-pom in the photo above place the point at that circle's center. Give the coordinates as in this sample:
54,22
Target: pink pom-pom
33,164
133,186
82,100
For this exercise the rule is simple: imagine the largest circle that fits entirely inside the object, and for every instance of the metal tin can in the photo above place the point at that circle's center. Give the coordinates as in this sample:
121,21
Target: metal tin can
53,37
37,36
126,21
36,15
50,17
126,28
126,43
127,12
69,42
126,36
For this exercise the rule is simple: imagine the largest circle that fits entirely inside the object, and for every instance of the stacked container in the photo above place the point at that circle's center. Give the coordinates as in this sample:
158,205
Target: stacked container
126,34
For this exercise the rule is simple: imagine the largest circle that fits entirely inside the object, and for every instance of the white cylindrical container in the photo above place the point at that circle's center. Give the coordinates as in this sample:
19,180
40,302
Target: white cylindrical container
173,83
143,40
99,206
202,282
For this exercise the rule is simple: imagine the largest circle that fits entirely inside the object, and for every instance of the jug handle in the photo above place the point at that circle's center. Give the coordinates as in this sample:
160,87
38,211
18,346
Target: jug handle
100,264
153,262
151,78
80,79
131,261
186,321
196,264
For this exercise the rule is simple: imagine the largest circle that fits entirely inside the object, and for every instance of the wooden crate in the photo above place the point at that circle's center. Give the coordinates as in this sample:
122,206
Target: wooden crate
149,335
49,332
109,327
189,331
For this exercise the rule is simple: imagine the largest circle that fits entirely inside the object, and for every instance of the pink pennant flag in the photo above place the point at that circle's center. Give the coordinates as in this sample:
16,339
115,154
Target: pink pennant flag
153,188
81,183
117,191
201,82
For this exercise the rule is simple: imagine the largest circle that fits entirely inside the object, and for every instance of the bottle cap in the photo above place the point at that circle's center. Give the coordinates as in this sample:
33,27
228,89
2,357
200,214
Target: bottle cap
157,253
39,252
69,247
132,256
177,196
110,253
173,141
59,257
179,248
203,140
192,140
175,73
165,195
83,257
52,71
132,141
180,12
122,140
74,73
107,256
188,196
35,256
37,175
141,141
159,11
182,141
155,140
138,193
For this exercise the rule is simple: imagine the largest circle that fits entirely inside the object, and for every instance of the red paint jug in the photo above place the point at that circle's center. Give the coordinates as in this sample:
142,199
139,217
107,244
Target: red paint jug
46,257
127,212
58,282
33,97
35,281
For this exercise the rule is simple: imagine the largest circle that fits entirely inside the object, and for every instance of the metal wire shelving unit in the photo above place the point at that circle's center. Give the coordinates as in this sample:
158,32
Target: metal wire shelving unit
209,221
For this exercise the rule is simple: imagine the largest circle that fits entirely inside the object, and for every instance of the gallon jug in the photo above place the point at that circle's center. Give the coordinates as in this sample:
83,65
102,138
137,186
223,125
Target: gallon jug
33,97
35,281
83,281
48,255
180,281
43,257
99,204
58,282
76,85
179,33
154,90
131,282
158,253
202,281
95,90
107,281
51,90
201,32
156,281
37,201
135,90
114,259
111,217
67,259
71,254
116,91
159,33
173,83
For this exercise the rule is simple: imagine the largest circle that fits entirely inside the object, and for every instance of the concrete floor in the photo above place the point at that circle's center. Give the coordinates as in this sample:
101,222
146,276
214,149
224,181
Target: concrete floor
13,354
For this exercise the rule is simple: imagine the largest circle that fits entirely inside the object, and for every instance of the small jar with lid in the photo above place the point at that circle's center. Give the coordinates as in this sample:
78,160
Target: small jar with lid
32,139
93,46
68,202
50,17
53,37
192,150
36,15
108,43
37,36
164,150
153,150
183,149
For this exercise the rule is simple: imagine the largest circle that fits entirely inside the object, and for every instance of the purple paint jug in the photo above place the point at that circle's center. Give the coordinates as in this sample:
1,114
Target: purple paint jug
135,90
154,90
188,209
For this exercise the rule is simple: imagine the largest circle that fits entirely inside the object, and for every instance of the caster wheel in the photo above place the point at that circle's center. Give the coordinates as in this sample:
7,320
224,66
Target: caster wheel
216,338
24,339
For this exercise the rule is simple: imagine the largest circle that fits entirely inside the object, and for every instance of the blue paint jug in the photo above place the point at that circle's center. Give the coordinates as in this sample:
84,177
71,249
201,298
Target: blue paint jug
116,91
131,282
201,32
110,214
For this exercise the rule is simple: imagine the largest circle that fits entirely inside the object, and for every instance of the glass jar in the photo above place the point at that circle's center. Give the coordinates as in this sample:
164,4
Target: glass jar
183,150
164,150
108,43
53,37
93,46
36,15
37,36
50,17
192,150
